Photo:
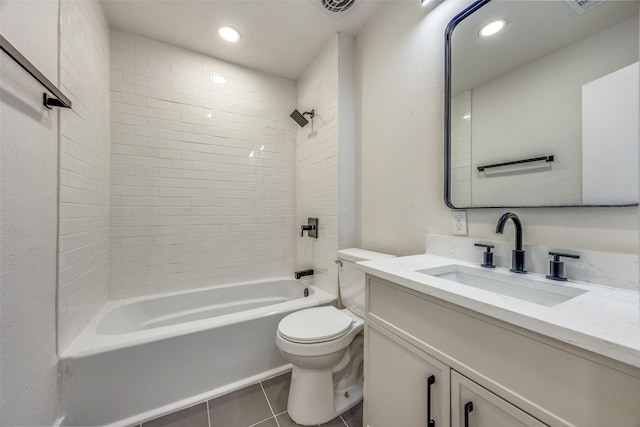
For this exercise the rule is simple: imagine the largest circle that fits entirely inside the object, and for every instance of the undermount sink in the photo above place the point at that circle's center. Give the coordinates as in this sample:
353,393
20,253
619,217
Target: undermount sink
511,285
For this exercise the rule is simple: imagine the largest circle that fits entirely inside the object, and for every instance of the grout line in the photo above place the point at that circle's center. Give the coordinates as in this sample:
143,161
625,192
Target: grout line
345,423
267,399
208,414
261,421
269,403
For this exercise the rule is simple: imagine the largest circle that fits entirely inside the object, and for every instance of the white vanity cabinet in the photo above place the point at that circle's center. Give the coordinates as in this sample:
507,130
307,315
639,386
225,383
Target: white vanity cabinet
405,386
475,406
512,376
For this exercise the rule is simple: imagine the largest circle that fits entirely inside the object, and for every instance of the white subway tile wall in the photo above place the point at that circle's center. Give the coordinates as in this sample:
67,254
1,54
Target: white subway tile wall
461,149
317,167
84,167
203,170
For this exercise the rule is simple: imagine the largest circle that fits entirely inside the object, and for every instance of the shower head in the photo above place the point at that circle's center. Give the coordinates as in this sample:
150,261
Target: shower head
299,117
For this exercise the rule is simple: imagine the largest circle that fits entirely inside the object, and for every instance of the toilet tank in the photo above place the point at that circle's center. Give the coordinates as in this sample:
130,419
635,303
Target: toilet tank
351,280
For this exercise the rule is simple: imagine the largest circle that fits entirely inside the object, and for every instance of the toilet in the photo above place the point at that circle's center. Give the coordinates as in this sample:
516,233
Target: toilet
325,347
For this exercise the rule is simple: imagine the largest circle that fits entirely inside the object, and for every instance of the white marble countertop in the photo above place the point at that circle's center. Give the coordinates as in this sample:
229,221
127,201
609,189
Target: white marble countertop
603,320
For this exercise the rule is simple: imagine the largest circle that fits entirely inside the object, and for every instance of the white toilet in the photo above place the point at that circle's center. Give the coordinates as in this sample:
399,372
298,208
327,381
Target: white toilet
325,347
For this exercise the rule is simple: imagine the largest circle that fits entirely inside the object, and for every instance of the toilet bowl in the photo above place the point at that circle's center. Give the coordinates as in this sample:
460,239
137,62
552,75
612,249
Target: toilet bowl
326,348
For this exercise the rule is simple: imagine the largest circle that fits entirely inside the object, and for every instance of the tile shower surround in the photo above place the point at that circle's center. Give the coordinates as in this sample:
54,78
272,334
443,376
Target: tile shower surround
202,172
317,177
258,405
84,167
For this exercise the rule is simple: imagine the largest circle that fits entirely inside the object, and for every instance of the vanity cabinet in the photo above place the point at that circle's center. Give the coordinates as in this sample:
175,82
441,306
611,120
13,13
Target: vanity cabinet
512,376
475,406
405,386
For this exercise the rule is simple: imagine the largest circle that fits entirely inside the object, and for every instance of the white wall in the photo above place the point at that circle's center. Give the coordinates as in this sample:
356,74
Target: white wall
84,167
400,63
202,173
326,159
610,133
347,230
317,166
28,218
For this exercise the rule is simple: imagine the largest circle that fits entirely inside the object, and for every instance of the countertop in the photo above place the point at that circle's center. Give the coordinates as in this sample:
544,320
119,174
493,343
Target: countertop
603,320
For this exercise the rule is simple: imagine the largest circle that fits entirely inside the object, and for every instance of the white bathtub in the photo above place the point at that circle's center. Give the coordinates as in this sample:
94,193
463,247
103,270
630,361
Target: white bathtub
142,358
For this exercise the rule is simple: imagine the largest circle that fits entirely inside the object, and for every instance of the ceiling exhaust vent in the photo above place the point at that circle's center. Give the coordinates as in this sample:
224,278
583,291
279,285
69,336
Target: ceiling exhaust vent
581,6
338,6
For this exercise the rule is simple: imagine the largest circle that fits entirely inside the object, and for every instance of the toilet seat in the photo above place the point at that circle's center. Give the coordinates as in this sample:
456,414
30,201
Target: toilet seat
315,325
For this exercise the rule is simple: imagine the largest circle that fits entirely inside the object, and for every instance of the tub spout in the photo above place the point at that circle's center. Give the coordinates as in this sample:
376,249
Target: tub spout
302,273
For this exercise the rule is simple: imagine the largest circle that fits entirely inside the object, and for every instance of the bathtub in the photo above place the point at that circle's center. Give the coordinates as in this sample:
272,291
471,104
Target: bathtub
142,358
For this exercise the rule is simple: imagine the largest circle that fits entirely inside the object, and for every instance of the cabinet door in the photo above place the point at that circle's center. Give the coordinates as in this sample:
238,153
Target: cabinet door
475,406
397,389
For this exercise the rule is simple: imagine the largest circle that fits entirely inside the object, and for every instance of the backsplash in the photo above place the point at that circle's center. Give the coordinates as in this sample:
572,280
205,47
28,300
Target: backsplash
602,268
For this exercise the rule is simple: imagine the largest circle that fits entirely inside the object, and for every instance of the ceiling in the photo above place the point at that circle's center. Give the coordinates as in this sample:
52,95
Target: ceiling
534,29
280,37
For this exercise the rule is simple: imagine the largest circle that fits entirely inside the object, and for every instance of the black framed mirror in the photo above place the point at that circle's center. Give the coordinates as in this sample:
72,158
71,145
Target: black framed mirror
544,112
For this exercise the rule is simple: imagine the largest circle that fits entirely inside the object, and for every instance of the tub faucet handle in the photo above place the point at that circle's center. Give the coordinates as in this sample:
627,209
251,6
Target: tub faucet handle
311,228
304,228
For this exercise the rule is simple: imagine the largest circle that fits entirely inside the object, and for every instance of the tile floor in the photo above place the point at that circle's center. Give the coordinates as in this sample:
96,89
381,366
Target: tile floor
259,405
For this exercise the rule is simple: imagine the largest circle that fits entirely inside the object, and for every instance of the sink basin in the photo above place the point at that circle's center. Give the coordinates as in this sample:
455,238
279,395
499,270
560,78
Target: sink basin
511,285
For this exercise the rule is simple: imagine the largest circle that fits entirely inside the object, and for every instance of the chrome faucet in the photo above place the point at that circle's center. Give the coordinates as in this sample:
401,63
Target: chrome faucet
517,255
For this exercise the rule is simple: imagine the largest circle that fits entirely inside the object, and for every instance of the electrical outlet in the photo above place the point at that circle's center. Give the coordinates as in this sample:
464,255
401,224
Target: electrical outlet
459,222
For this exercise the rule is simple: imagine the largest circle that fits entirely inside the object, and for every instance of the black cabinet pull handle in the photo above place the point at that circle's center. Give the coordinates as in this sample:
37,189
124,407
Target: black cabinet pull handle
430,381
468,407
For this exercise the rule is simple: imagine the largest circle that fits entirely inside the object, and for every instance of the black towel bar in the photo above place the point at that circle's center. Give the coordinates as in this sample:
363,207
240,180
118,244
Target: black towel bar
59,99
515,162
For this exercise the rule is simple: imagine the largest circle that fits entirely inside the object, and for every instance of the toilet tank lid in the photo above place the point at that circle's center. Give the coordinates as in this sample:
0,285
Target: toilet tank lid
357,255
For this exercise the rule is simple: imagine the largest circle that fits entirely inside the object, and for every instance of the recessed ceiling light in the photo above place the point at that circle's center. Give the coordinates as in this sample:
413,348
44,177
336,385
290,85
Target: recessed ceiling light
230,34
492,28
216,78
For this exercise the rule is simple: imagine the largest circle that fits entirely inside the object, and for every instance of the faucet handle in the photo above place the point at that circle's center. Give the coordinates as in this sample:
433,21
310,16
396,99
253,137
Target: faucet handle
304,228
311,228
484,245
487,255
556,267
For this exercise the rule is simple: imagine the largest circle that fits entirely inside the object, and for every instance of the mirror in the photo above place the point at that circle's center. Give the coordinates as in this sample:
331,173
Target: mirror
545,111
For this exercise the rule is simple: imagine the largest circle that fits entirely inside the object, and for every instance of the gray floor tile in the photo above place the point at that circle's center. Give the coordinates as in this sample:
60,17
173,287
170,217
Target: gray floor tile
271,422
239,409
285,421
196,416
353,417
277,390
